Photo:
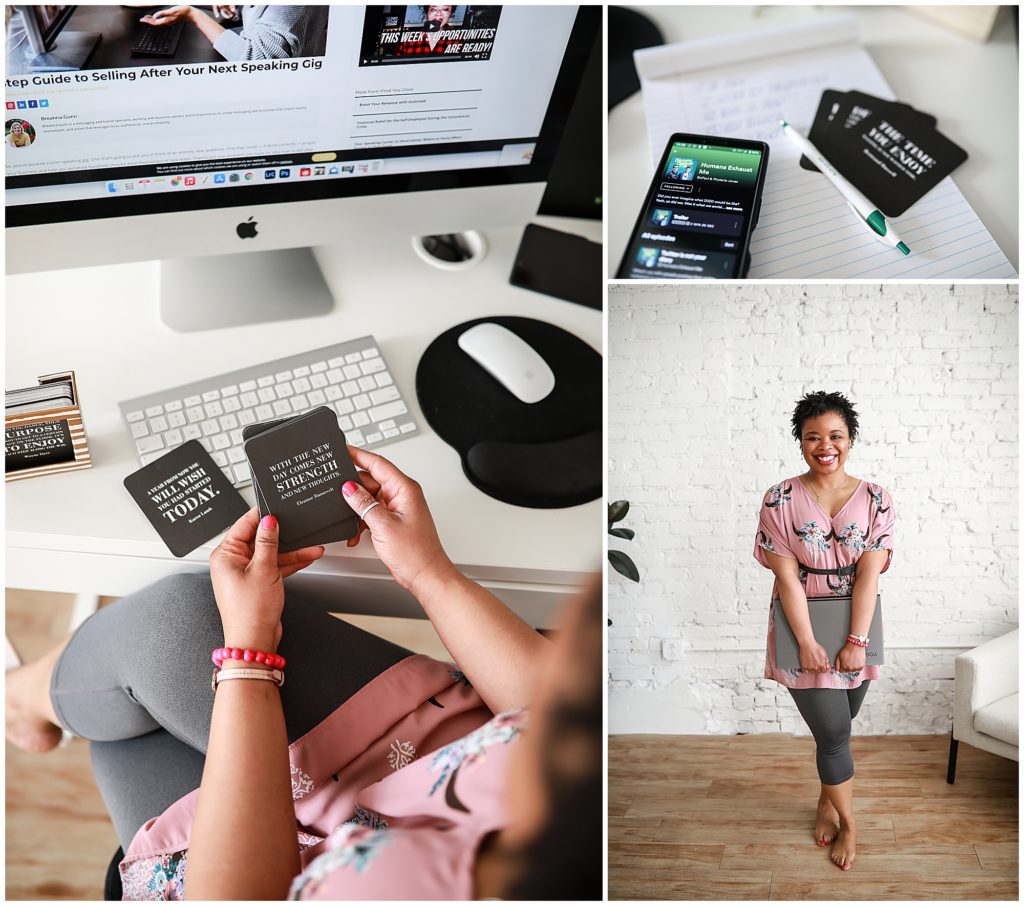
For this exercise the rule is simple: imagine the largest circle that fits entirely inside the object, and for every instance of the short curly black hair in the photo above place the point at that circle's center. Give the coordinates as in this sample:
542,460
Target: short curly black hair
819,403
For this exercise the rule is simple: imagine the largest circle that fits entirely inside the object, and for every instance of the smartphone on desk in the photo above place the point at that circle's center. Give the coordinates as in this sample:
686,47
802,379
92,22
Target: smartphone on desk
700,211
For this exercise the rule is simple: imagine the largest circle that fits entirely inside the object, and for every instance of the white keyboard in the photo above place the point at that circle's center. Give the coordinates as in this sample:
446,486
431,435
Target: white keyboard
352,378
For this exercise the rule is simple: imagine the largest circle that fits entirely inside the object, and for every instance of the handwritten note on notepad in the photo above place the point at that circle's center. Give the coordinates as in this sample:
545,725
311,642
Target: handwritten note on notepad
740,86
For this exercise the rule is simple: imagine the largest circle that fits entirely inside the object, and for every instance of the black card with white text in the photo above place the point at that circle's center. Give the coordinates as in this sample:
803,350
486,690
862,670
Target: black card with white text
186,497
841,111
888,150
298,466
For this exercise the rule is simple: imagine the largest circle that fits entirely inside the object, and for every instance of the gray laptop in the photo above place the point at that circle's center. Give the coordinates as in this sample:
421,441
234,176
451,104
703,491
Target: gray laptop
830,620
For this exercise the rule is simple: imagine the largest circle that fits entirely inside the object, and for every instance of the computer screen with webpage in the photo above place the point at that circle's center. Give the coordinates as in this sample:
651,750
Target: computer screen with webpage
290,102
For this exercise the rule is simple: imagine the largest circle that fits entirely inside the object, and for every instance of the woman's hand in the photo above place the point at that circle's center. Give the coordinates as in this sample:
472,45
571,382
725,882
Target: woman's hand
401,527
498,652
850,659
813,657
222,11
168,16
248,574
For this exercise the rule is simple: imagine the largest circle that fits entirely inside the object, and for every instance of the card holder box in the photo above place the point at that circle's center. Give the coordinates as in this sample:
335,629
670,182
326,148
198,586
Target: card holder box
49,439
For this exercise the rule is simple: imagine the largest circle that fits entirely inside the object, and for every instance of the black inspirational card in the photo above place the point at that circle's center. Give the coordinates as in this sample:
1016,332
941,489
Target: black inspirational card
840,111
186,497
44,443
888,150
298,466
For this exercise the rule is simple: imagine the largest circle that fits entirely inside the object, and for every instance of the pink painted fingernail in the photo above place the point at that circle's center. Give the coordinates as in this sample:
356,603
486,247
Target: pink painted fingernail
349,488
268,522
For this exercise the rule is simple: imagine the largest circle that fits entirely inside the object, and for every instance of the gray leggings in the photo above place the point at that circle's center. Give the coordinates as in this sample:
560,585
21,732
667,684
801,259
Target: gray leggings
829,713
135,680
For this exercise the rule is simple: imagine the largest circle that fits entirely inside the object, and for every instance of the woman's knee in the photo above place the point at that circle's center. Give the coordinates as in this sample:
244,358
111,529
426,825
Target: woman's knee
180,593
834,745
167,611
180,586
834,759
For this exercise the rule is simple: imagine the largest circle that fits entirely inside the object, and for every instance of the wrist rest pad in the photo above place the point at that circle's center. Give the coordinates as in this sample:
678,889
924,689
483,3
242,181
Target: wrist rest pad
543,455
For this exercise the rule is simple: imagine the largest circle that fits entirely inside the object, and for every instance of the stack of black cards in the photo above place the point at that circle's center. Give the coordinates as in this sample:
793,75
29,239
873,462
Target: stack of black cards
44,432
298,466
889,151
35,443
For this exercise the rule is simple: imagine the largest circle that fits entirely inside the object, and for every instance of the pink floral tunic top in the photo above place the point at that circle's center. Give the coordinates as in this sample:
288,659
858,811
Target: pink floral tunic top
793,524
394,793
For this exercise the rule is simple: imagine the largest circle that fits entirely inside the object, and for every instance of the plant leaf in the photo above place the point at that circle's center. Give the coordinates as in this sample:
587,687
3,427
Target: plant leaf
626,533
617,511
624,565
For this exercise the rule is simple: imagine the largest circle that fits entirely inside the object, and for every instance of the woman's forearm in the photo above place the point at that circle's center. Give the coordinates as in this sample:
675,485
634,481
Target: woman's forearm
794,605
243,844
865,590
211,29
498,652
862,607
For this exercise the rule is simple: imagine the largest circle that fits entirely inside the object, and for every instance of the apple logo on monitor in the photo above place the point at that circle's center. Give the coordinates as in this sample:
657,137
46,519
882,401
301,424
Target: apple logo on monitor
246,229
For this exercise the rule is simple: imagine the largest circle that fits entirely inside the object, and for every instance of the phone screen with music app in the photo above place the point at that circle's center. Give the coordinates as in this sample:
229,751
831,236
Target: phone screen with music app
700,211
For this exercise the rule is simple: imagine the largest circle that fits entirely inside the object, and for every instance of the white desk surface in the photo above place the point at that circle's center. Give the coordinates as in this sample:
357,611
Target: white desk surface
82,532
971,88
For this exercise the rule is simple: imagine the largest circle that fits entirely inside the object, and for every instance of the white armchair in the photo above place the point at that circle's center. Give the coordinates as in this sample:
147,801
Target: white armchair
985,700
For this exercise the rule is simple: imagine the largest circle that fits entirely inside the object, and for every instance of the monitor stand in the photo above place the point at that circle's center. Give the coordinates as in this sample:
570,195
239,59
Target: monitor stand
234,290
70,52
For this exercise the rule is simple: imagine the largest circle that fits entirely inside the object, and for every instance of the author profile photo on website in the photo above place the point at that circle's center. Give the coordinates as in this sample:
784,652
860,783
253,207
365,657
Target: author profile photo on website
19,133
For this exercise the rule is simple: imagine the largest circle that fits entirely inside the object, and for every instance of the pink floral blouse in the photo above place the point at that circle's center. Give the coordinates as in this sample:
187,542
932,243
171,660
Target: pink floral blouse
793,524
394,792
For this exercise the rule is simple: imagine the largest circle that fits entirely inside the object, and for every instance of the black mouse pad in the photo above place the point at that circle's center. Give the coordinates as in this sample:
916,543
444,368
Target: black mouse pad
476,415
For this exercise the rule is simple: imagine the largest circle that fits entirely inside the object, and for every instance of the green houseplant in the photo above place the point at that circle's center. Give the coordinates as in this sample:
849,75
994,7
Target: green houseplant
622,563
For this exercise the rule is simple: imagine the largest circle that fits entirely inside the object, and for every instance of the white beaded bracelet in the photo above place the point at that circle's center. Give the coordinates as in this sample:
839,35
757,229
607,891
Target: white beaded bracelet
274,676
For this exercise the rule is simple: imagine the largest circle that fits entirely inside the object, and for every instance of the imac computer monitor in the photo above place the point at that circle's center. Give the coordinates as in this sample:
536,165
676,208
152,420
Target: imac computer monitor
135,135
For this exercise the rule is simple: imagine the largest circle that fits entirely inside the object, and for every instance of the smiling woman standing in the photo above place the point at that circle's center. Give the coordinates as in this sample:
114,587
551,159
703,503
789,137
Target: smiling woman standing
827,533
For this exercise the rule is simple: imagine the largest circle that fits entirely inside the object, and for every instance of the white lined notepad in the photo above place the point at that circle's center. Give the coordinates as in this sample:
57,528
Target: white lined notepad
741,86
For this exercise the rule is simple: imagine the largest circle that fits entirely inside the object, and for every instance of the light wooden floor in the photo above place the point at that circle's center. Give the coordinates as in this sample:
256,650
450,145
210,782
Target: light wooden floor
732,818
59,839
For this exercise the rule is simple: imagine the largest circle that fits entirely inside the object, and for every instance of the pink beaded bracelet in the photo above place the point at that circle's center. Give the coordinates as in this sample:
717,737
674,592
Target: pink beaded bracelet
249,656
853,640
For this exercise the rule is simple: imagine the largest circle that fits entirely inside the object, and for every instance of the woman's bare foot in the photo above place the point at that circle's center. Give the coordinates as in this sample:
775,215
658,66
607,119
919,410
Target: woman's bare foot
26,727
825,826
844,850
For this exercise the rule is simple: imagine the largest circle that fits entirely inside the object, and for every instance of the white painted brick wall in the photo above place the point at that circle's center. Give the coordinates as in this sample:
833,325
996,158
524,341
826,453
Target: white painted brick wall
702,386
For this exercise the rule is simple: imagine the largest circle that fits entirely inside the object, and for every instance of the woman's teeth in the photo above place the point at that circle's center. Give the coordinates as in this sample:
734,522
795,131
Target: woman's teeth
826,460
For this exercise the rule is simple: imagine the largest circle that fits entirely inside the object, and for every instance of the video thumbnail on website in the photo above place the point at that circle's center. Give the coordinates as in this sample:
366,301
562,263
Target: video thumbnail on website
422,34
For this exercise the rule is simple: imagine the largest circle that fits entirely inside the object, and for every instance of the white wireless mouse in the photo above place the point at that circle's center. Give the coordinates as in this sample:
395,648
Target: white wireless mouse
510,360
